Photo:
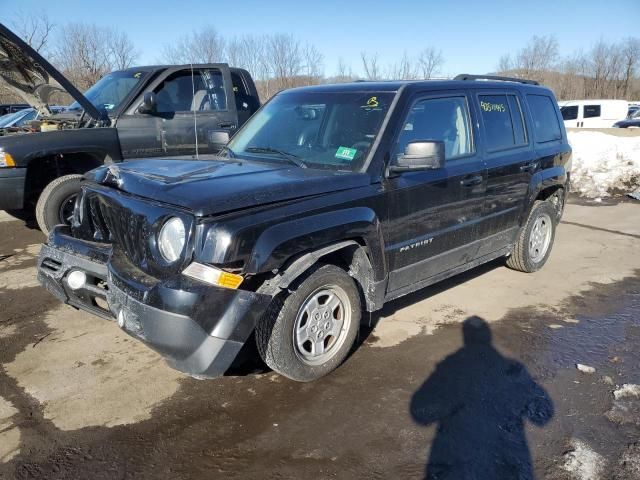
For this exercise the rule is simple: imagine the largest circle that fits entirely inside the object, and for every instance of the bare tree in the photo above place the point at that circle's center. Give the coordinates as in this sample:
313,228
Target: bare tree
631,61
344,73
403,70
202,46
505,64
121,51
285,59
313,64
35,29
537,57
430,62
86,52
370,66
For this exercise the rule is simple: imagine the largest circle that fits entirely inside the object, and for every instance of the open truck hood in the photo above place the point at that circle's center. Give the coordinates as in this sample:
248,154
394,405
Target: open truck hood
26,73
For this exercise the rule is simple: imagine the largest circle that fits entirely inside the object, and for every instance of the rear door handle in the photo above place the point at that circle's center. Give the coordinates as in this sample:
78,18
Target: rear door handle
471,181
529,167
229,125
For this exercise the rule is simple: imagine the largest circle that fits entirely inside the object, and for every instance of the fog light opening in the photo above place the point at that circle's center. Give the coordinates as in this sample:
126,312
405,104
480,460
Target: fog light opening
76,280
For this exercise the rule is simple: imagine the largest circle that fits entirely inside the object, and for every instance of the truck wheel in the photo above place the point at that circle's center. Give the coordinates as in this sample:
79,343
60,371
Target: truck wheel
310,332
534,243
56,202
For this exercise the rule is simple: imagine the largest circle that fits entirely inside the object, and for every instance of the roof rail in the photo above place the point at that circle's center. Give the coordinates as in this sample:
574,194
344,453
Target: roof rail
466,76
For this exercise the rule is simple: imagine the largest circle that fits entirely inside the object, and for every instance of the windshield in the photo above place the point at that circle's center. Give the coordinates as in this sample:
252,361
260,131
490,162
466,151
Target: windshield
111,90
333,130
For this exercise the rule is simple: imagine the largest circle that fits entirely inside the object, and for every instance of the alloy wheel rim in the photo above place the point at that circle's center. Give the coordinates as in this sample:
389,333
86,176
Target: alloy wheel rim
65,213
321,325
540,238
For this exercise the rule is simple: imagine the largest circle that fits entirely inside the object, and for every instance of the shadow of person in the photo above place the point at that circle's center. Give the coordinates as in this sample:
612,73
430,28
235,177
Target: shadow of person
480,401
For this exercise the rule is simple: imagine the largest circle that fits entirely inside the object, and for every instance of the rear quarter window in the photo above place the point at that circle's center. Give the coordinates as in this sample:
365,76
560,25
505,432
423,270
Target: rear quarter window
545,122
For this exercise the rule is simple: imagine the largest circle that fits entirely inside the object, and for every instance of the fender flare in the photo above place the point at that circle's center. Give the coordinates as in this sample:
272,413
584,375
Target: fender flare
549,177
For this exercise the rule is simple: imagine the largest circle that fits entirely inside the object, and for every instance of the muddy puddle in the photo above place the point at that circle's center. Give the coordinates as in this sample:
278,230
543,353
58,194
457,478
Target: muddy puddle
471,400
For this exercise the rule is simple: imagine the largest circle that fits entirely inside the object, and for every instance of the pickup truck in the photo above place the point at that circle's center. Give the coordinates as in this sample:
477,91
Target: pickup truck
330,201
152,111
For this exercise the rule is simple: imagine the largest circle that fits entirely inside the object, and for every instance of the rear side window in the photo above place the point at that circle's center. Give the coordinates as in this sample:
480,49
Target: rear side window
545,121
591,111
245,102
503,124
569,113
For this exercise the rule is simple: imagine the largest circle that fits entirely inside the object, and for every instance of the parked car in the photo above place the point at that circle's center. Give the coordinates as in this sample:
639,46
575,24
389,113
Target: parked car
153,111
593,113
633,109
21,121
631,122
331,200
7,108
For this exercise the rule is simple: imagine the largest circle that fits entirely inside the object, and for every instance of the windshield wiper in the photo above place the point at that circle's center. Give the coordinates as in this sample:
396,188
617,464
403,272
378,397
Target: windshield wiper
293,158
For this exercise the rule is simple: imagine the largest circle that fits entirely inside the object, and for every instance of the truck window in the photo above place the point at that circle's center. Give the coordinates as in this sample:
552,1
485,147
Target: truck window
569,113
502,120
245,102
591,111
545,121
445,119
183,92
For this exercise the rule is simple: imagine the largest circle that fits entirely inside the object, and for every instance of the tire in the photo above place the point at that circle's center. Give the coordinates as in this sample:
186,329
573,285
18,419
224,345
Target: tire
284,351
55,200
525,257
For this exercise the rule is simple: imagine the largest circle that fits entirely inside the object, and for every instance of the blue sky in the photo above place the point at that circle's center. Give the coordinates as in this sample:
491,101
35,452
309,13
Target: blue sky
471,34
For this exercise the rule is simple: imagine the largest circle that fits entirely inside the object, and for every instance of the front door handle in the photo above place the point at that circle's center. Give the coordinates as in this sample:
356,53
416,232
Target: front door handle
471,181
529,167
229,125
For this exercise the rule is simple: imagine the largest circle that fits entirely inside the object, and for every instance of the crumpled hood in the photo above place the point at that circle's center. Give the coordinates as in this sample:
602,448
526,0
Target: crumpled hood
208,187
26,73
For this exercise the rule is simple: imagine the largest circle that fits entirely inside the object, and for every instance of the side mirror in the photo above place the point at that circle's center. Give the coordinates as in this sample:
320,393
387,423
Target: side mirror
420,155
219,137
148,104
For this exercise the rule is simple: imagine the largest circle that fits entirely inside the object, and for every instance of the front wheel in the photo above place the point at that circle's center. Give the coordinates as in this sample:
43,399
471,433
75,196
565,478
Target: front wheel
57,201
310,332
533,247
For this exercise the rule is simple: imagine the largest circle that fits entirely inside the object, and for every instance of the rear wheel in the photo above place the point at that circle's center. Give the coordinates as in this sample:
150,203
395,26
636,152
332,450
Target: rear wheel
310,332
534,243
57,201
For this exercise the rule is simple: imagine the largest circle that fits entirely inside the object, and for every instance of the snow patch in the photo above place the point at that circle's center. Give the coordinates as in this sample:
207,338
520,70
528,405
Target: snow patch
604,163
582,462
627,390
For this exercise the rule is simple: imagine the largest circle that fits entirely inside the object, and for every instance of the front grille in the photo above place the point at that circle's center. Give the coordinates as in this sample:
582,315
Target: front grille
122,227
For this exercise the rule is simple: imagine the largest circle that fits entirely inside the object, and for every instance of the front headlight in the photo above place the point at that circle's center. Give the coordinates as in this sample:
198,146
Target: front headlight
6,160
171,239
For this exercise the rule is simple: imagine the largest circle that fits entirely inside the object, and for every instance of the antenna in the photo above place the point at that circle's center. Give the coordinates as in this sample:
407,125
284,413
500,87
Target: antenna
195,117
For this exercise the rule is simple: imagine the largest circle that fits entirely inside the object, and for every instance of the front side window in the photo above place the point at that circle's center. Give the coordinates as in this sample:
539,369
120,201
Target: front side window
109,92
333,130
502,119
591,111
545,121
187,91
443,119
570,112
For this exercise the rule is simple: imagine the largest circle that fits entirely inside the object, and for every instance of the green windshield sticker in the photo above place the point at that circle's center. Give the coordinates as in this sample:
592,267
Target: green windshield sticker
346,153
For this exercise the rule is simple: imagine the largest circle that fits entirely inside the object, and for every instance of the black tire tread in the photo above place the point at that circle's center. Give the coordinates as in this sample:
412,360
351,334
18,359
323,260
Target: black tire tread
269,335
41,206
518,260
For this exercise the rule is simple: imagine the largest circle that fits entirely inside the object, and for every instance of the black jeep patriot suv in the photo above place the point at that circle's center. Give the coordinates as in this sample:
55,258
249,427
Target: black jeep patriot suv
331,200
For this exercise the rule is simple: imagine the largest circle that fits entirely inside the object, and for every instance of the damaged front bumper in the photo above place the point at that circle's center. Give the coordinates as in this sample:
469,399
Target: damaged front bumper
199,329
